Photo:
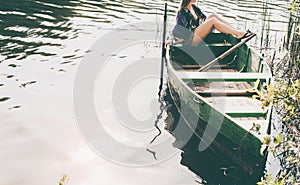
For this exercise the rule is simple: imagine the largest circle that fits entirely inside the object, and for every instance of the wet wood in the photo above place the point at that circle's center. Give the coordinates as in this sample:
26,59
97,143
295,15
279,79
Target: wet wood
238,106
222,88
225,93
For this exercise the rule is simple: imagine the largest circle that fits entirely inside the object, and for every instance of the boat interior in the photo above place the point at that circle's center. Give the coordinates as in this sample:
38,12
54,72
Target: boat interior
233,85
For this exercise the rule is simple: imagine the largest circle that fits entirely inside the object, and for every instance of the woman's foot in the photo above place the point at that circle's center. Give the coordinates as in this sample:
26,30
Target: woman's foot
245,35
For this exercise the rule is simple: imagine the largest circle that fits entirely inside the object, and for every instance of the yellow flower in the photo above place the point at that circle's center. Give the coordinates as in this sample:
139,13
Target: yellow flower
298,30
293,7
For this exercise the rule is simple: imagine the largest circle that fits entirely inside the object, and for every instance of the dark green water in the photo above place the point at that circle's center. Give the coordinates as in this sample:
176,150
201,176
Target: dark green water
44,43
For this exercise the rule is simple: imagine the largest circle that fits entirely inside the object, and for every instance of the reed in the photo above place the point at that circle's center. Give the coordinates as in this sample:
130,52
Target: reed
265,29
285,96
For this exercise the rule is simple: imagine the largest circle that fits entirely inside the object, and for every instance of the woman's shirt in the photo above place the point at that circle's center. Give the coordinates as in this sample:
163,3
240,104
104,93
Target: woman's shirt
186,23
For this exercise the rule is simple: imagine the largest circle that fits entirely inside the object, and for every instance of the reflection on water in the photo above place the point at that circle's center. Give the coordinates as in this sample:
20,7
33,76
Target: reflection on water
42,43
28,25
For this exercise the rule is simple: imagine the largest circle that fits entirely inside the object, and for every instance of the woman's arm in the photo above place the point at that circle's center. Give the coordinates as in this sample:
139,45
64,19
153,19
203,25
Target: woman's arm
199,13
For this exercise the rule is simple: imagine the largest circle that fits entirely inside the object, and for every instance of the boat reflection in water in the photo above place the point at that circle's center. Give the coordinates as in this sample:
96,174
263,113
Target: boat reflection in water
212,165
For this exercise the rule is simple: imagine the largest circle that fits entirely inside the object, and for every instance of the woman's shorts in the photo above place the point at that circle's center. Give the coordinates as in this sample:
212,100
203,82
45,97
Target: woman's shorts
189,39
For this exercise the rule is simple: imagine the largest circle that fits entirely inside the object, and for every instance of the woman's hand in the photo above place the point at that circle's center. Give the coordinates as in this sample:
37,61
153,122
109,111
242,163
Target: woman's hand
179,40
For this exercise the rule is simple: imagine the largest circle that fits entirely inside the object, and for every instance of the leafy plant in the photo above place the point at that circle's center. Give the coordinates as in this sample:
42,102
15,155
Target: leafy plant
63,180
285,96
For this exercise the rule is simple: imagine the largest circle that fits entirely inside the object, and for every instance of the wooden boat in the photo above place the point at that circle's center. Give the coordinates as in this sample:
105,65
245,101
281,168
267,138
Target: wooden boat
219,104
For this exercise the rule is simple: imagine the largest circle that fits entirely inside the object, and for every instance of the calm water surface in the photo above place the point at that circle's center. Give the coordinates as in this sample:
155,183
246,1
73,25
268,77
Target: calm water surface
44,42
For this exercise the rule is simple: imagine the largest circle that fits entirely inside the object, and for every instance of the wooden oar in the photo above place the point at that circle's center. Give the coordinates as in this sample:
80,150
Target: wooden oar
225,54
163,52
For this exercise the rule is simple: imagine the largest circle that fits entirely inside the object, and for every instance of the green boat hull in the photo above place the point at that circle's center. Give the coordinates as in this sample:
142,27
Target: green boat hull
237,141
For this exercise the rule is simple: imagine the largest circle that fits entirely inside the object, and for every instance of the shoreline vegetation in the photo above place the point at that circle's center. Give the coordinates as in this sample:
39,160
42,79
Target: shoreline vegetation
284,95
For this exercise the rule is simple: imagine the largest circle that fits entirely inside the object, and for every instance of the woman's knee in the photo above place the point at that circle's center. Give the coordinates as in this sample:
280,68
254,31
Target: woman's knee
212,16
212,20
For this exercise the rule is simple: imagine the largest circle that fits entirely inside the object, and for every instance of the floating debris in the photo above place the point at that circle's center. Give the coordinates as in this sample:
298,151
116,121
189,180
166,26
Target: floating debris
66,62
14,107
228,171
69,56
27,83
13,65
4,99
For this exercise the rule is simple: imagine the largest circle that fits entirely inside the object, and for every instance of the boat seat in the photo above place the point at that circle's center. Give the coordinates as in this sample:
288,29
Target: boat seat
191,67
219,44
220,76
238,106
226,45
223,92
243,111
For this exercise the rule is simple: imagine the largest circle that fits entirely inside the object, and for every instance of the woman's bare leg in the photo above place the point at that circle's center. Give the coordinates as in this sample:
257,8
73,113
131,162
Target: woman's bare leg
219,18
204,29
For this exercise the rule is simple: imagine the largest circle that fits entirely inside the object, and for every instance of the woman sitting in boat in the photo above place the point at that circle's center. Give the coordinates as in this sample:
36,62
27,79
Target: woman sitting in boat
193,25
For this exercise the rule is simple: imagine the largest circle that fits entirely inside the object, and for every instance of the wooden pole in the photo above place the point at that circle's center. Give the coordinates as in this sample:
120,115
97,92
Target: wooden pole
163,52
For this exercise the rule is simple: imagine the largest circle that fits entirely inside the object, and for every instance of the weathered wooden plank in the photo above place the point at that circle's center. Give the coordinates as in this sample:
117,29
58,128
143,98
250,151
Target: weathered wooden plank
216,44
220,76
222,92
219,44
203,86
249,118
198,66
238,106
